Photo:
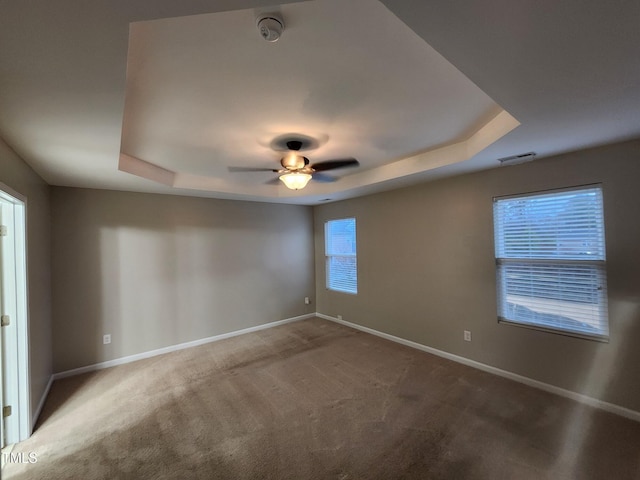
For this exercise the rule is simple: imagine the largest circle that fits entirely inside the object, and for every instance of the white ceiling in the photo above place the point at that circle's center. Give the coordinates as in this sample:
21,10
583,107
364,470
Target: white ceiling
174,92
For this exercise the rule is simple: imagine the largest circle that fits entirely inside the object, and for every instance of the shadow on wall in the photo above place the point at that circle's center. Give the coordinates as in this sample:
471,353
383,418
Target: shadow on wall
601,374
155,270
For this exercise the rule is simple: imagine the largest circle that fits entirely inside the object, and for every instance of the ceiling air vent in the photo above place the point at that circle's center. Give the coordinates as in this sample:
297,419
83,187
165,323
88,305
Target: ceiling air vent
515,159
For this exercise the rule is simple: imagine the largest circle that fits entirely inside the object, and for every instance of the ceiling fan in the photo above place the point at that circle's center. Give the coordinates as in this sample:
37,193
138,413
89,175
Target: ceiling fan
296,170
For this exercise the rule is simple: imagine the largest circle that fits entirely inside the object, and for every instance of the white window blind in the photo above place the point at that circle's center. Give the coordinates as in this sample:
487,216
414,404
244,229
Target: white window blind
340,253
550,257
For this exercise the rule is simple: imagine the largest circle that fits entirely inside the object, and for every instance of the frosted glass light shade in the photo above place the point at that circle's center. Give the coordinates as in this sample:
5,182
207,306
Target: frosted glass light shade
295,180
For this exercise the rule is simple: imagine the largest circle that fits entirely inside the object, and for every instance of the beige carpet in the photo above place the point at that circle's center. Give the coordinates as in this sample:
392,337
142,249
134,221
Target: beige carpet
316,400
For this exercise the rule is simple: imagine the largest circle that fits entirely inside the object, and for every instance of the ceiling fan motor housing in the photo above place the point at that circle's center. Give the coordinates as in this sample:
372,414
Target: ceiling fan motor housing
293,161
270,27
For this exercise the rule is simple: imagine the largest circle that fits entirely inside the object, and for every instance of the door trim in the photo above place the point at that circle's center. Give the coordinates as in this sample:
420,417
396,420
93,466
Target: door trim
20,316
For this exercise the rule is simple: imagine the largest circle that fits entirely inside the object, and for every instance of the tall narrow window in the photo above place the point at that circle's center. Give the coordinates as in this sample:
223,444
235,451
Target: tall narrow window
340,253
550,257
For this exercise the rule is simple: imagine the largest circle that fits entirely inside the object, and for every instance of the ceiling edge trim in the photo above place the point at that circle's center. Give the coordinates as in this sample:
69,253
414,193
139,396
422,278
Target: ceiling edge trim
490,132
144,169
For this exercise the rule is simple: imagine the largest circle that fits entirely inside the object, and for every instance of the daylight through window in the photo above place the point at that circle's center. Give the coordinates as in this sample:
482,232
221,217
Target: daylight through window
550,257
340,253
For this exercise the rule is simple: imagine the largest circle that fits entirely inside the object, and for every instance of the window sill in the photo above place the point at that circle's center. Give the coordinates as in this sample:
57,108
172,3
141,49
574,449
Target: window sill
566,333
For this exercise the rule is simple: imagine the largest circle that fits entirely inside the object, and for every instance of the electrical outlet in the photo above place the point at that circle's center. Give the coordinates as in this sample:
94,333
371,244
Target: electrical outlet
307,300
339,317
106,339
467,336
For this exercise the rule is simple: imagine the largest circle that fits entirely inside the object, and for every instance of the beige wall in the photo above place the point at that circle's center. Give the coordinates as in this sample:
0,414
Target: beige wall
159,270
17,175
426,271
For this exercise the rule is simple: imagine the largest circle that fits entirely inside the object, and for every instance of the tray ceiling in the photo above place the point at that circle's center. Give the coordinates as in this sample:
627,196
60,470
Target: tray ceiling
162,96
206,92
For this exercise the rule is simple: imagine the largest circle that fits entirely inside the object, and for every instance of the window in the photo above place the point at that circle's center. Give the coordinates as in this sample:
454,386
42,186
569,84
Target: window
340,253
550,258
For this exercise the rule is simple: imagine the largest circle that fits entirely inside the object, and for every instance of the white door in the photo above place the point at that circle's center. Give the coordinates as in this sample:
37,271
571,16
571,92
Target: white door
2,339
14,389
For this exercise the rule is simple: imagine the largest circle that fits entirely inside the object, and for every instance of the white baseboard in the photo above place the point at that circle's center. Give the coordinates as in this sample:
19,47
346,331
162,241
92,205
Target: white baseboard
173,348
593,402
38,410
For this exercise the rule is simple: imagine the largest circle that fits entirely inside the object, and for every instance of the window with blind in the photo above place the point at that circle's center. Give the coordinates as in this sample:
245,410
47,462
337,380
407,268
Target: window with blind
550,259
340,253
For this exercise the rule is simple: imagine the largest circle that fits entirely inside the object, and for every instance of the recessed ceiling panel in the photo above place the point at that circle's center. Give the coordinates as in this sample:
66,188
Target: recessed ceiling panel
206,92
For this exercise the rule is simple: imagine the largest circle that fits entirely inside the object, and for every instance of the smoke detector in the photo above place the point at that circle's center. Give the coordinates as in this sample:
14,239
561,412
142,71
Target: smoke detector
270,27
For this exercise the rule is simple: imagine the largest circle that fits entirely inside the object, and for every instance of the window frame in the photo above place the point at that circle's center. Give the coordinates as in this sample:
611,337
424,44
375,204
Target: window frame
598,264
329,256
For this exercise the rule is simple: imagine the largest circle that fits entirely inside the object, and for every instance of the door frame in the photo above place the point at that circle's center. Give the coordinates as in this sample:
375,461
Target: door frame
19,424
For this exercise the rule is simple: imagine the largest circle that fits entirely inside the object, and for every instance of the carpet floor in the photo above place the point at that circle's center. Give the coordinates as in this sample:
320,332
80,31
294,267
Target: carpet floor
316,400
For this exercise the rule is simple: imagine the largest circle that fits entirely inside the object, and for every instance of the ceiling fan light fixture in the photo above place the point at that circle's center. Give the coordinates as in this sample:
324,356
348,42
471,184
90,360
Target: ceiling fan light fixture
295,180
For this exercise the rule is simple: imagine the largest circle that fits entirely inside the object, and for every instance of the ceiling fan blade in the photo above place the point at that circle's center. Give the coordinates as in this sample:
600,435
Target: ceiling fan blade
333,164
251,169
322,178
